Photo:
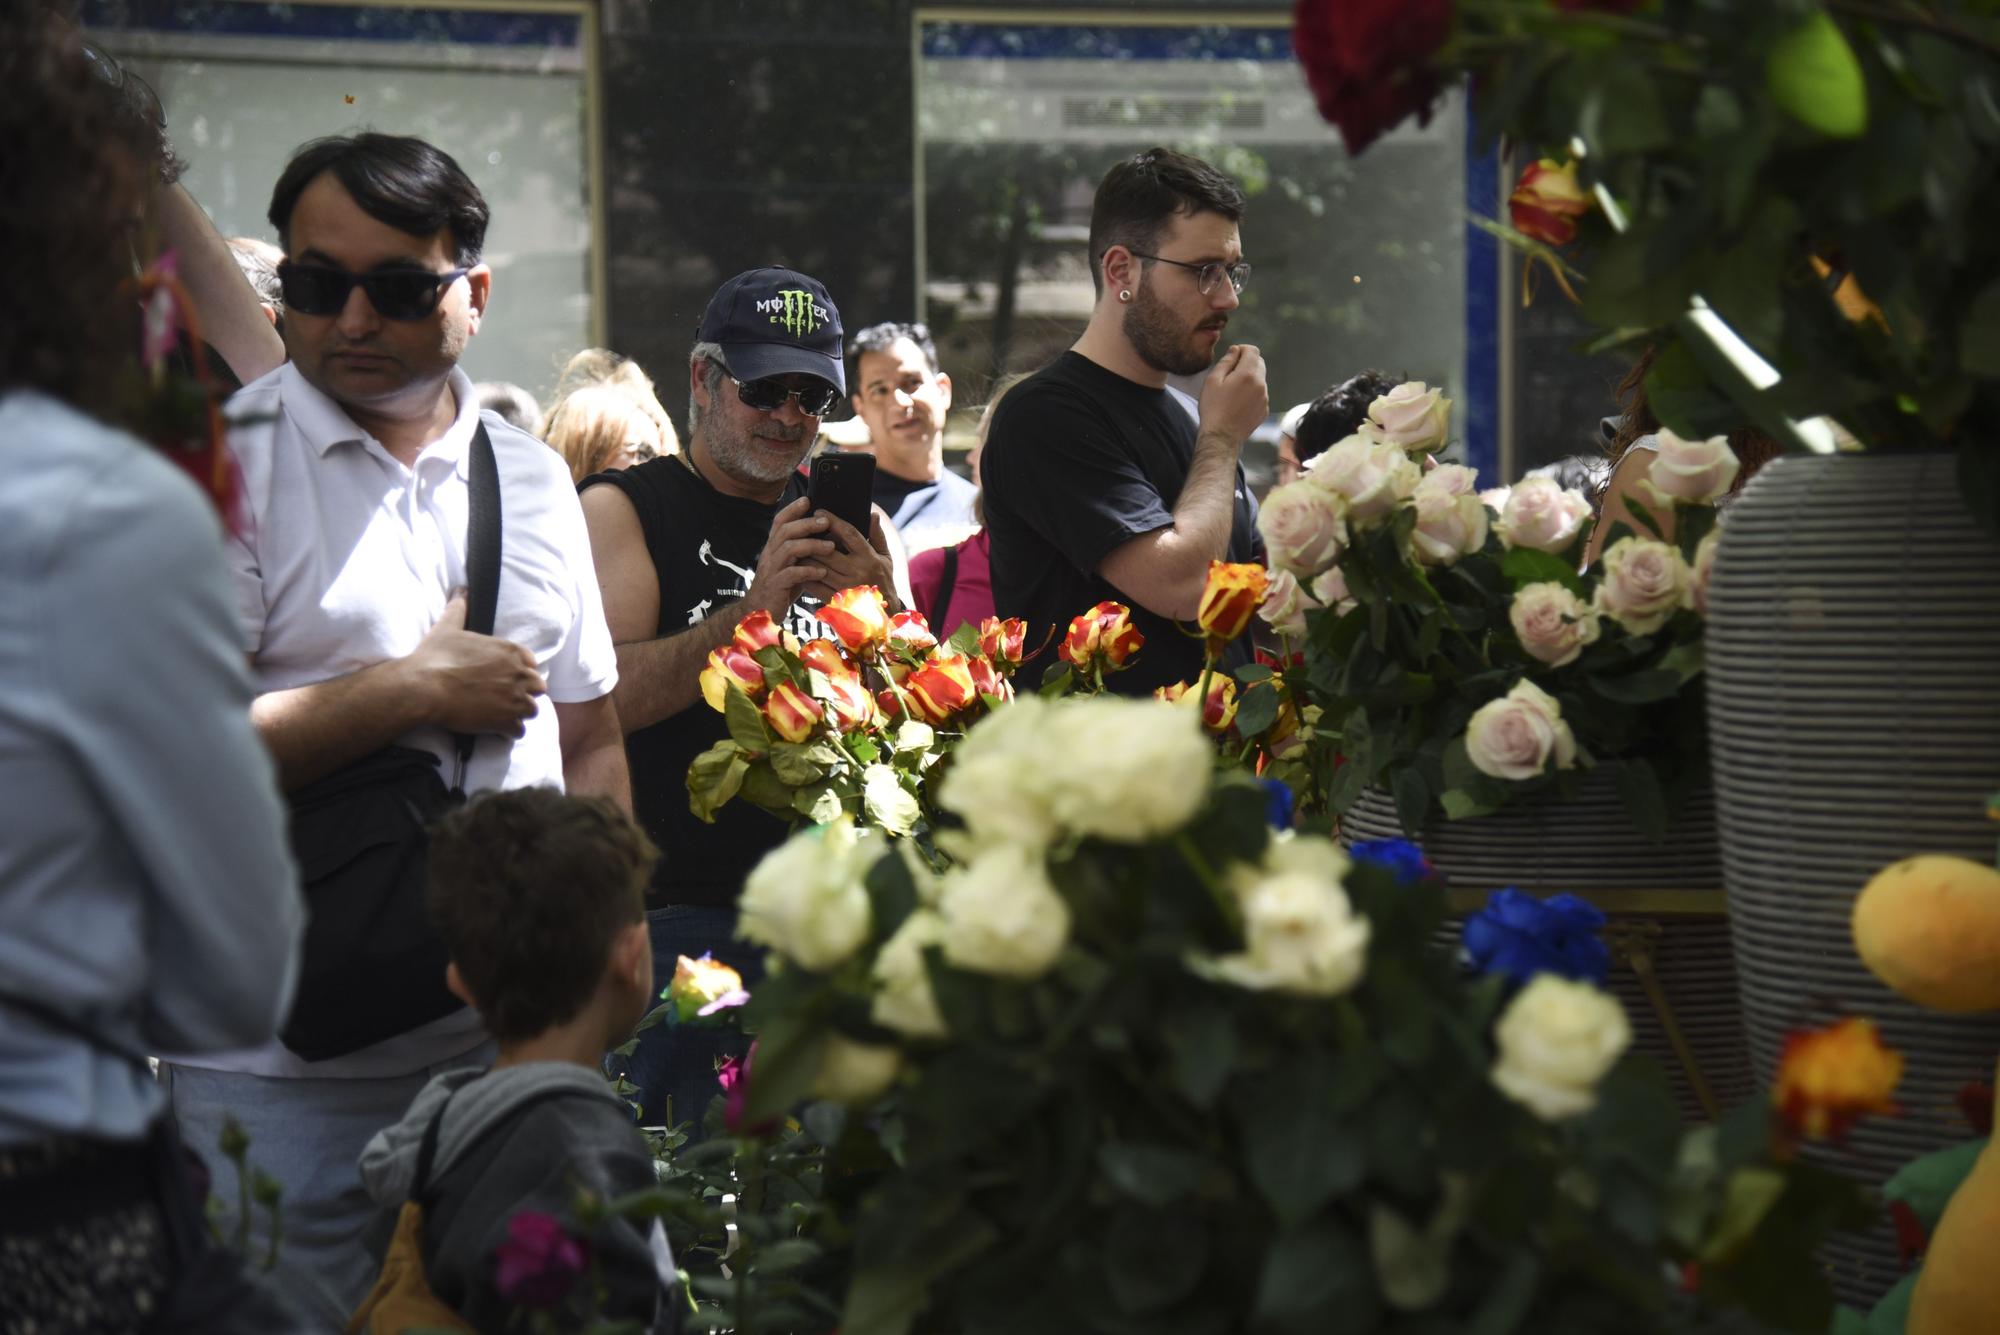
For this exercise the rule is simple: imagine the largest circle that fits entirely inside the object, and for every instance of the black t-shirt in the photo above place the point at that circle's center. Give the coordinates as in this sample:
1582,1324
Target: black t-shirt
891,491
1079,461
704,547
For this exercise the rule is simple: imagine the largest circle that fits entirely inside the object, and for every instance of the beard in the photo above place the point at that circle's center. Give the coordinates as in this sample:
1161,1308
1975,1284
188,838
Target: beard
1162,341
754,462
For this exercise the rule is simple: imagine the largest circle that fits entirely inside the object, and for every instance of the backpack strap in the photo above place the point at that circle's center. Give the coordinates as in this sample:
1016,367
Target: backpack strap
947,580
427,1147
482,561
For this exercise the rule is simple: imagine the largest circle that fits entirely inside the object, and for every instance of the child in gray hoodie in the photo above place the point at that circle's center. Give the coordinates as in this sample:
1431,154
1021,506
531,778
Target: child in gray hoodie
540,899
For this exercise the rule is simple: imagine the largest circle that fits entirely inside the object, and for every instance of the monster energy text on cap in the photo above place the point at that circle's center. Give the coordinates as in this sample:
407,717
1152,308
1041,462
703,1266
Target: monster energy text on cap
775,322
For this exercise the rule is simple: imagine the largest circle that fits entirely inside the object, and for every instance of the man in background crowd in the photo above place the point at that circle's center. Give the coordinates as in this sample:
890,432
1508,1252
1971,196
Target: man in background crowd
1098,484
1338,414
903,397
347,569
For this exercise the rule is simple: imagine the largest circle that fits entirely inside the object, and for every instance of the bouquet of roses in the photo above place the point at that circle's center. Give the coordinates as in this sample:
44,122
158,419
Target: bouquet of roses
847,725
1459,657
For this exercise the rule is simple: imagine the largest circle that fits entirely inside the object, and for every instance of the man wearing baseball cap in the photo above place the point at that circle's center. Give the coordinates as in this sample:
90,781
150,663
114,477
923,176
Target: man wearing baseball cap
686,546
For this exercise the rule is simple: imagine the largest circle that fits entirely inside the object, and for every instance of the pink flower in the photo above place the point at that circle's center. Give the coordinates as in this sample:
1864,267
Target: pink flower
734,1077
539,1263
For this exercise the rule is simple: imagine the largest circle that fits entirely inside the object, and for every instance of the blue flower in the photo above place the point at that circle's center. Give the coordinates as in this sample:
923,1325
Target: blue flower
1520,936
1399,856
1277,803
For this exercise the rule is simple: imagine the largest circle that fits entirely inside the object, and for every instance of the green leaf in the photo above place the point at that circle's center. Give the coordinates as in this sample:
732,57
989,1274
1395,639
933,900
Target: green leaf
1926,1184
1459,804
1057,683
964,640
1525,566
1154,1258
1812,73
714,778
799,764
818,804
1257,710
1638,688
887,802
1509,1297
762,787
746,721
1151,1174
1317,1279
1413,800
1298,1155
1747,1197
1202,1041
886,1299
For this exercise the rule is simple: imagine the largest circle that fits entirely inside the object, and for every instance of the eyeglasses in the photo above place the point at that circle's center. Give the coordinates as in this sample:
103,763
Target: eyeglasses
768,394
1209,274
396,294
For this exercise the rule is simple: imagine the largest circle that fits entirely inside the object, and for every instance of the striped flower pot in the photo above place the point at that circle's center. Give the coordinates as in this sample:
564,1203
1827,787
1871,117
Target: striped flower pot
1854,712
1667,929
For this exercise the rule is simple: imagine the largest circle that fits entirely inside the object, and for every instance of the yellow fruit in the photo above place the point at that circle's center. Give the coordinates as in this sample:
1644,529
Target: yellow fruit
1929,927
1958,1292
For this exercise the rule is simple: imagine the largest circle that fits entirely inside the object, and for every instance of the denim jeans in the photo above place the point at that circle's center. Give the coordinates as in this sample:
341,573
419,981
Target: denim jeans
677,1062
308,1134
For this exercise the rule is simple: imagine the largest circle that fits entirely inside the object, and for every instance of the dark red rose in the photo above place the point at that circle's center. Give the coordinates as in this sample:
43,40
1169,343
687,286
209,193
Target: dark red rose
1365,61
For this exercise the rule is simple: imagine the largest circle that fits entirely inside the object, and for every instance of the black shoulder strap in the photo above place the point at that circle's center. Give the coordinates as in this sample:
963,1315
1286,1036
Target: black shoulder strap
482,558
947,580
427,1148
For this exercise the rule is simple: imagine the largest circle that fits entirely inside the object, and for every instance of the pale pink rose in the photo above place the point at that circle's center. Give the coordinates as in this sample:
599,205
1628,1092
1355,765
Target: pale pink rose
1641,583
1330,590
1691,472
1448,527
1552,623
1496,498
1520,735
1374,476
1286,604
1451,479
1304,527
1413,417
1542,515
1704,567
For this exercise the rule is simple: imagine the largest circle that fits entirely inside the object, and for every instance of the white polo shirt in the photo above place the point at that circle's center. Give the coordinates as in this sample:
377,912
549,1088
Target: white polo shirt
346,559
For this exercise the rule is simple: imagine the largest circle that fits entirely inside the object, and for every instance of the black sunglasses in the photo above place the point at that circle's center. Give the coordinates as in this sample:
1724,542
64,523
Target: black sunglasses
769,393
396,294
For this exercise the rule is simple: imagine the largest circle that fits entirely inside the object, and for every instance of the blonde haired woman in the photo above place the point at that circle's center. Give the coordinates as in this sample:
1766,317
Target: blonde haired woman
606,416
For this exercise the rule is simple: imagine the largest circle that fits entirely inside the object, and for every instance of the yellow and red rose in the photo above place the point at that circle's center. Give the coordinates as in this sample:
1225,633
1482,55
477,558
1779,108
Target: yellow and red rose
911,634
1004,643
849,703
1830,1078
1547,201
1102,639
988,679
791,713
824,656
858,617
941,688
730,665
759,631
1229,599
1220,709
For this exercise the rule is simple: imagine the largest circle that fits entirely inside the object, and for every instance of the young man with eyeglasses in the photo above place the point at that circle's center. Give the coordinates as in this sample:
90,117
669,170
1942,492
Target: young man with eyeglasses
688,545
1098,484
349,564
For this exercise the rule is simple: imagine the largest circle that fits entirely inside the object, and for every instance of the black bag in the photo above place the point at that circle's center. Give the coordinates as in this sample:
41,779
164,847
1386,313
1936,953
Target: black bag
373,965
209,1292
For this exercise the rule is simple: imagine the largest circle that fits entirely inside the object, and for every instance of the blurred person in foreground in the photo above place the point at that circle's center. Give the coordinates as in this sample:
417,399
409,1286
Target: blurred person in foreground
1098,484
139,911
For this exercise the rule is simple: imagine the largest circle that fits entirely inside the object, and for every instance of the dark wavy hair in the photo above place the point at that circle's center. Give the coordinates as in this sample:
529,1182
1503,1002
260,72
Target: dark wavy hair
1138,198
74,180
881,337
1338,413
529,889
405,183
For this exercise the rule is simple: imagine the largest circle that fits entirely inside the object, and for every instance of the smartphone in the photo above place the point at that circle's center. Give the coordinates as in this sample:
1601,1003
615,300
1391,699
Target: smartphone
843,485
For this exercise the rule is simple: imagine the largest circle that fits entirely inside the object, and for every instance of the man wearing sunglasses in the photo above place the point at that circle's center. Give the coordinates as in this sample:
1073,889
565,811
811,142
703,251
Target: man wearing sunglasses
1098,484
349,564
688,545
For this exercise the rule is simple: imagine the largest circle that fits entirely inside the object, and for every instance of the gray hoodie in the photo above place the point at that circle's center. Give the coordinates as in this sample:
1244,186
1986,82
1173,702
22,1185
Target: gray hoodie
523,1138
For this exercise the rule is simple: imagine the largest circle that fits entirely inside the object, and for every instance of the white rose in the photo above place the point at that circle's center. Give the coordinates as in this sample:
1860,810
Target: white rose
1125,770
1304,527
855,1074
1412,416
1542,515
1290,853
1301,935
1519,735
1330,590
1557,1039
1451,479
806,900
1553,624
904,1000
1285,605
997,776
1642,582
1373,475
1704,569
1694,472
1448,527
1002,916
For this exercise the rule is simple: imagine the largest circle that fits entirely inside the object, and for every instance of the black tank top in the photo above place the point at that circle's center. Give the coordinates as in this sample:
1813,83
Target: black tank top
704,547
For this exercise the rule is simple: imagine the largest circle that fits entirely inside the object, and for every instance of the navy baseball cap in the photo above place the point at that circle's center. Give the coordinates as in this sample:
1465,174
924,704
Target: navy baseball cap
775,322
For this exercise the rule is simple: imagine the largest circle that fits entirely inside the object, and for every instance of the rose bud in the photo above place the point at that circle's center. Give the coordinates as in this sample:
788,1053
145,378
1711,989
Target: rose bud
1104,636
849,702
1547,202
909,632
1220,710
988,680
858,617
791,712
825,656
940,688
758,631
1228,601
1005,643
726,665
